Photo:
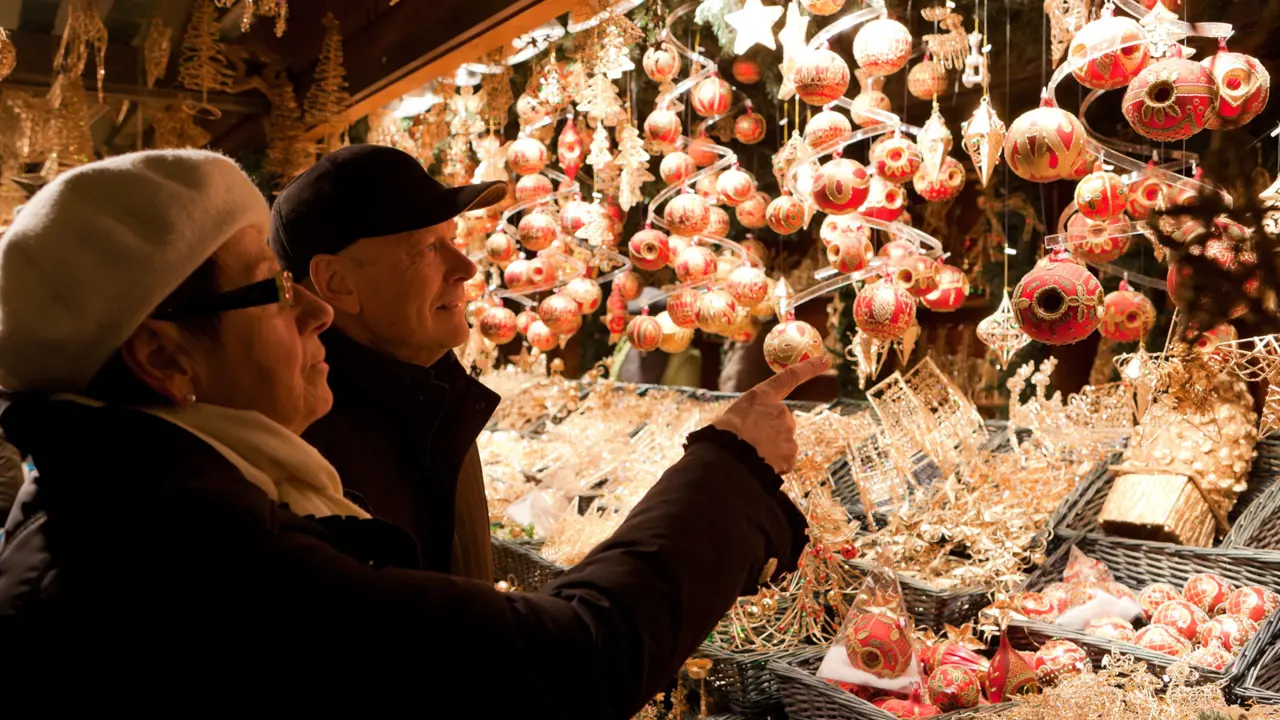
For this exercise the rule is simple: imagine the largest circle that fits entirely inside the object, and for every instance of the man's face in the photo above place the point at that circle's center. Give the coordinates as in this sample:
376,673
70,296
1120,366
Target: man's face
410,289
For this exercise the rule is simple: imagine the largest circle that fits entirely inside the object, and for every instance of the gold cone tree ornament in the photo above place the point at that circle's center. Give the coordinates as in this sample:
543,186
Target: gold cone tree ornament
204,67
327,99
935,142
983,139
1001,334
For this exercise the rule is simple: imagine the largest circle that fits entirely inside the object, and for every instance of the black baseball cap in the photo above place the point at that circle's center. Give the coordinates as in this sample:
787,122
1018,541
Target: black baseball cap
364,191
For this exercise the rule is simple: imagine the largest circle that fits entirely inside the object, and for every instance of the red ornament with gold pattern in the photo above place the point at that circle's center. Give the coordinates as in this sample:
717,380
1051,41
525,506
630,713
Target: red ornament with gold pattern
1035,606
560,313
885,201
676,168
537,230
952,687
575,214
1101,195
1232,632
628,286
794,341
1207,591
837,226
661,62
821,77
1163,640
1253,602
870,97
1096,241
501,248
1127,315
841,186
928,79
882,46
586,292
1058,303
1212,657
897,252
676,245
1111,628
735,186
533,187
570,150
825,128
1144,196
1058,660
1181,617
1083,166
1009,673
686,214
719,223
516,275
946,186
702,151
822,7
1244,86
745,330
527,156
896,159
674,339
1044,144
682,306
884,310
695,264
953,289
525,319
745,70
877,643
706,188
750,127
663,128
786,214
923,273
748,285
498,325
541,337
717,312
1113,69
757,254
847,254
913,706
711,96
644,332
1058,594
751,213
648,249
1171,100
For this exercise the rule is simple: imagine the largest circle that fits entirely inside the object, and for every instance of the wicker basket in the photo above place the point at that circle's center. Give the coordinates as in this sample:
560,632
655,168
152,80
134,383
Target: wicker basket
1136,565
743,683
1254,517
1261,683
519,562
807,697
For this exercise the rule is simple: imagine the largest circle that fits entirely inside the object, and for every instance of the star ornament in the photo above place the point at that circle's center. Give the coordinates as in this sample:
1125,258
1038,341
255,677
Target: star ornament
792,36
754,25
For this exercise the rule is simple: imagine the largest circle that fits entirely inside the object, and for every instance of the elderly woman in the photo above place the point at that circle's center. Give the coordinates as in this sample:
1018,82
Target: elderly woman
159,369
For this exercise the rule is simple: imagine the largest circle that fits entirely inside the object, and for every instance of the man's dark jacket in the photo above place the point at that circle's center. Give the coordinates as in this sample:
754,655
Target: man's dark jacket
403,437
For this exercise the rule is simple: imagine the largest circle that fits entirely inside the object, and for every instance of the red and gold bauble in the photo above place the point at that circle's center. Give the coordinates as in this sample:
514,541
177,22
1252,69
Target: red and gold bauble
896,159
676,168
530,109
663,127
1127,315
1214,658
1253,602
675,339
847,254
1231,632
718,226
1097,242
1059,595
825,128
516,274
1144,196
822,7
532,187
836,227
946,186
695,264
498,325
1225,332
586,292
821,77
711,96
1206,591
841,186
661,62
749,128
1009,673
1036,607
734,186
952,687
524,320
644,332
1113,69
570,150
898,251
746,71
501,248
885,201
911,707
700,149
1044,144
628,286
1111,628
706,188
791,342
1058,660
476,309
875,643
748,285
1101,195
575,214
1171,100
717,312
686,214
785,214
541,337
1058,303
884,311
751,213
757,253
537,230
682,305
870,97
1163,640
1181,617
928,79
882,46
617,324
527,156
1244,87
953,289
648,249
676,245
560,313
922,271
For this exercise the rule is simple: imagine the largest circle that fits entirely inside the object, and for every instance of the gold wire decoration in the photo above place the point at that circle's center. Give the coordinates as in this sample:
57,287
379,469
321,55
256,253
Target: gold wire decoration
1084,426
156,49
288,155
8,54
176,128
1253,359
1066,18
950,47
983,138
71,137
84,28
279,9
957,426
327,99
882,475
203,67
498,97
868,355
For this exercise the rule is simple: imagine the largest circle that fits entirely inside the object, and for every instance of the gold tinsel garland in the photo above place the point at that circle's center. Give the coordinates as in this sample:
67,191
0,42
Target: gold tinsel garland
327,99
204,66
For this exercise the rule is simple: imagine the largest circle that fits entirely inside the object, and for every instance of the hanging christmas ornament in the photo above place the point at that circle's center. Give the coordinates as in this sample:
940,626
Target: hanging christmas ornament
746,71
885,201
734,186
560,313
1044,144
1144,196
663,128
1113,69
527,156
702,151
498,325
847,253
570,149
920,274
884,311
628,286
516,275
745,330
975,63
953,289
474,288
537,230
983,137
952,687
1171,100
661,62
1001,334
751,213
748,286
882,46
711,96
840,186
945,186
1084,165
686,214
1127,315
934,142
541,337
786,215
717,312
533,187
644,332
1058,303
928,79
718,226
648,249
836,227
1101,195
525,320
1244,87
896,159
676,168
753,25
695,264
821,77
1058,660
675,339
822,7
826,128
682,305
676,245
870,97
586,292
501,248
790,342
749,128
574,215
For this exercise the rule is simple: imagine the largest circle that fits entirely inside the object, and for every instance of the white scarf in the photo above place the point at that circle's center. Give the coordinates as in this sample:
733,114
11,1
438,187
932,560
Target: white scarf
276,460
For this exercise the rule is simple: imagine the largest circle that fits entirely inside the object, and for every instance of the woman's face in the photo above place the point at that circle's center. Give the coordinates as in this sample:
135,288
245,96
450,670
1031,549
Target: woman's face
267,358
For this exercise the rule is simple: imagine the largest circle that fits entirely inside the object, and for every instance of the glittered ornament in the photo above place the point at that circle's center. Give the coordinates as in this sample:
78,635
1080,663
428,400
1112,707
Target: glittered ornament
695,264
750,128
882,46
516,275
628,285
821,77
661,62
648,249
474,288
560,313
498,325
1206,591
1058,304
1144,196
847,254
717,312
757,253
913,706
682,306
676,168
524,320
884,311
898,251
885,201
541,337
675,339
1244,86
586,292
1111,628
663,127
1212,657
953,289
1253,602
870,97
575,214
748,285
1044,144
1101,195
686,214
718,225
876,643
840,186
1010,673
1096,241
746,71
954,688
533,187
706,188
1058,660
791,342
700,149
946,185
1115,68
1231,632
1163,640
982,136
826,128
644,332
751,213
501,248
1181,617
928,79
785,214
1171,100
527,156
1127,315
1035,606
734,186
676,245
896,159
711,96
537,230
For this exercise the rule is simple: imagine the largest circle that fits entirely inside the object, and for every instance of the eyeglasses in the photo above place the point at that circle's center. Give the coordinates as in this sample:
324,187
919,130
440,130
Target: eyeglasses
275,289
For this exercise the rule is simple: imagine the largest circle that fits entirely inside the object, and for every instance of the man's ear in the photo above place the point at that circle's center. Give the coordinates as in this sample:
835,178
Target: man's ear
331,276
162,357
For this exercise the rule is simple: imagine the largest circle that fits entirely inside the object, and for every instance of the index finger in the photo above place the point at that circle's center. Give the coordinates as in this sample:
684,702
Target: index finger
780,386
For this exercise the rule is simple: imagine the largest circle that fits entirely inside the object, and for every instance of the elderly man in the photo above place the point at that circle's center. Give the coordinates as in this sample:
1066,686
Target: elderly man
373,233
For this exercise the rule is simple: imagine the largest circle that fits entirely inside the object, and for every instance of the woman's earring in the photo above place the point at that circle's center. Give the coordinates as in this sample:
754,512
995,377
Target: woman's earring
189,399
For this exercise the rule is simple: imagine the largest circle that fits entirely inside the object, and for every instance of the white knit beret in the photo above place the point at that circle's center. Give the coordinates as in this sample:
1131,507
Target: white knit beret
94,252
